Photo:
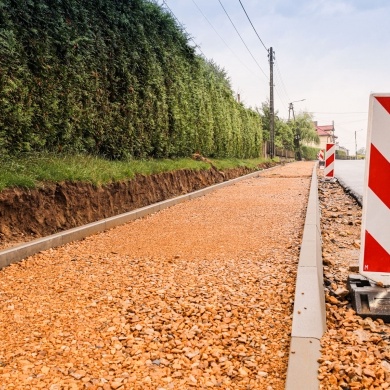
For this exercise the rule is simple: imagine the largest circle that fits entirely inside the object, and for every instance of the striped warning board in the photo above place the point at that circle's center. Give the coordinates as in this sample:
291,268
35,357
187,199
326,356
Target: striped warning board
329,161
320,157
375,248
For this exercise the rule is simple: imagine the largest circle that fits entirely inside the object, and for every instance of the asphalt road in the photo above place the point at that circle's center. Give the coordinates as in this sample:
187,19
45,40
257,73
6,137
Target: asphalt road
351,174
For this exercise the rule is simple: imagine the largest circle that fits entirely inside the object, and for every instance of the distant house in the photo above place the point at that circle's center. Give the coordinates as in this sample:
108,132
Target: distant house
326,134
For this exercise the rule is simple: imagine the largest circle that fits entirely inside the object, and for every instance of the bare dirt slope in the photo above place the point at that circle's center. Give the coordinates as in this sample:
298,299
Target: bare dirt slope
29,214
196,296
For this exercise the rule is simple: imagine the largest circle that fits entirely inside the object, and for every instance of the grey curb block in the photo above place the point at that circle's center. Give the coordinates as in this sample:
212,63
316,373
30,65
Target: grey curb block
20,252
309,317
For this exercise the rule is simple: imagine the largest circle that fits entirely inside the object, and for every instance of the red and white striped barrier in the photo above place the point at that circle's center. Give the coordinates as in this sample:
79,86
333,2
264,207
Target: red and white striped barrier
375,240
329,161
320,157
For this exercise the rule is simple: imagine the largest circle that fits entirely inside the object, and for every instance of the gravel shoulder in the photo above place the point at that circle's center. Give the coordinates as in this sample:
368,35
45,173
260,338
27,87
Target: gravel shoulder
355,351
196,296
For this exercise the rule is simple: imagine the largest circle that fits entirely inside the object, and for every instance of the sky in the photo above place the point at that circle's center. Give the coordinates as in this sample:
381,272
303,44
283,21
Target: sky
331,53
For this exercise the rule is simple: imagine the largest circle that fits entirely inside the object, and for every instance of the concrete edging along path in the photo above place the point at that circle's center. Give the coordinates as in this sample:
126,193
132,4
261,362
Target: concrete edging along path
309,318
20,252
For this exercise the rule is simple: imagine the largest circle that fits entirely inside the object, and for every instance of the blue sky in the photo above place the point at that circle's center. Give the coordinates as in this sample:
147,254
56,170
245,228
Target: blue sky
332,53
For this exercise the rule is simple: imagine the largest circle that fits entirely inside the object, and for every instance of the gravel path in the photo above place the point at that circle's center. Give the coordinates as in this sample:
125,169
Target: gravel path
196,296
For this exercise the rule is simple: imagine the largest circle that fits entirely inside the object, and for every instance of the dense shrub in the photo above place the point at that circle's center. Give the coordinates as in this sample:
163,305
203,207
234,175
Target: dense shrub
115,78
309,153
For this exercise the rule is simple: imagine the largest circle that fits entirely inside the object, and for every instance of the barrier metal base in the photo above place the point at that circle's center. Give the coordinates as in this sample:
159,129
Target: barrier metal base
368,299
329,180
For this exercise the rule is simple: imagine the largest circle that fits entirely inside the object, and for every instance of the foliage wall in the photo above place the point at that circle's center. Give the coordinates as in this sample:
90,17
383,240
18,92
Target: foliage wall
115,78
309,153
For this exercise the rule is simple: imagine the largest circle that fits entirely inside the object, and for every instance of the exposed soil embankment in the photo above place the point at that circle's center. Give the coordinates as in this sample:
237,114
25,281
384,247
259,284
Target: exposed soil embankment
29,214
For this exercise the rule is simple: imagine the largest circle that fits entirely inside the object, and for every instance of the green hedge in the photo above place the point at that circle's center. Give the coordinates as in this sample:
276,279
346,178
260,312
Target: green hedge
309,153
115,78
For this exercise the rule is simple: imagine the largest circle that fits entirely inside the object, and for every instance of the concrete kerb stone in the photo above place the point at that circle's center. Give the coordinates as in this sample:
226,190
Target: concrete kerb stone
309,317
20,252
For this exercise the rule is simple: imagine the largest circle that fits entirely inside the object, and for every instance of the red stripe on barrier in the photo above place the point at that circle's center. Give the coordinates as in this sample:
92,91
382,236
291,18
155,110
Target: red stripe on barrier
379,175
376,258
330,174
329,160
384,101
329,146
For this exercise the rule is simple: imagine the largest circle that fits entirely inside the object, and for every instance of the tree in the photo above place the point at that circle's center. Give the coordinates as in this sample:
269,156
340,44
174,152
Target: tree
284,135
304,131
361,151
303,125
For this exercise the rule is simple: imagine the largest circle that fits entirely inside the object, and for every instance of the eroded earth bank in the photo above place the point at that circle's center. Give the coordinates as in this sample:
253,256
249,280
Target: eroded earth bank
53,207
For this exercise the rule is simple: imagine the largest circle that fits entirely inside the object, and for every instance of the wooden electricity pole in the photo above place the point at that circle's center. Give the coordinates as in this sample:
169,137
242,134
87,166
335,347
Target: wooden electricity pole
271,54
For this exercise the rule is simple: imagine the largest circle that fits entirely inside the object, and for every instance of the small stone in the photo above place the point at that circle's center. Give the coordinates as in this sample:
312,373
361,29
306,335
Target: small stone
368,372
78,374
333,300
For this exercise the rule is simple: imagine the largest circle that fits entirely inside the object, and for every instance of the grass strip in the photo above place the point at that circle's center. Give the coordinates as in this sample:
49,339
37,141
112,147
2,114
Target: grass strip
30,171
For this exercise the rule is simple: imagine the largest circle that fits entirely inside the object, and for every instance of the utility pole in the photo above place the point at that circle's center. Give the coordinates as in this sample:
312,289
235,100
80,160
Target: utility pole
291,108
355,147
271,54
297,136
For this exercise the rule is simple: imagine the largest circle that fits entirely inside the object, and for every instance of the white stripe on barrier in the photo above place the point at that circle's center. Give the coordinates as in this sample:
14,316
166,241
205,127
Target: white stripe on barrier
381,139
374,224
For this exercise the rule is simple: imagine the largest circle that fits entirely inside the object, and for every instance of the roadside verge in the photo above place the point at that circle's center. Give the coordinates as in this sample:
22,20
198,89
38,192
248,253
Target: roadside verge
20,252
309,317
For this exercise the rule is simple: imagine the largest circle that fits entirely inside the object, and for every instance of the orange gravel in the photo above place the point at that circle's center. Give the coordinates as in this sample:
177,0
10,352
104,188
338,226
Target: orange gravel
196,296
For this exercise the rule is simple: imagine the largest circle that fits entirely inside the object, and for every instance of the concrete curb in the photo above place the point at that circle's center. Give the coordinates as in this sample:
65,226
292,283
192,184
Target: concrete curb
309,317
20,252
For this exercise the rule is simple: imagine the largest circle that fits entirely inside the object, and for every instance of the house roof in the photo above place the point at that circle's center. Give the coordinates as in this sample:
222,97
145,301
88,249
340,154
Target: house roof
325,131
326,127
321,132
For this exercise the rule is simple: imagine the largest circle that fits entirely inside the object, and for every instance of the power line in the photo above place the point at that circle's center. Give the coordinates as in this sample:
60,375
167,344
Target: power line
281,81
355,121
177,20
258,36
242,39
280,95
215,30
341,113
